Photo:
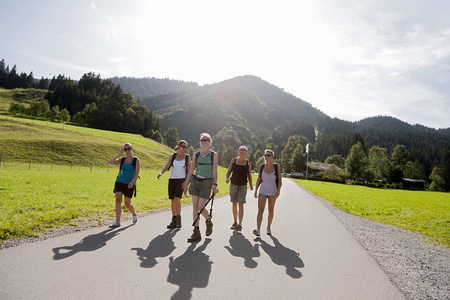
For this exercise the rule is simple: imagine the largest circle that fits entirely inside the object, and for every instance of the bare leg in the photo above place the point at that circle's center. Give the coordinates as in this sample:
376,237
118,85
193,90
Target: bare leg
176,207
271,208
118,206
261,207
234,208
241,212
129,206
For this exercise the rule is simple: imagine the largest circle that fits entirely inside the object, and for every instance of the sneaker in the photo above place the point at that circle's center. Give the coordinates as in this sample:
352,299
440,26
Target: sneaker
256,232
209,227
234,225
196,236
239,227
114,225
135,219
269,232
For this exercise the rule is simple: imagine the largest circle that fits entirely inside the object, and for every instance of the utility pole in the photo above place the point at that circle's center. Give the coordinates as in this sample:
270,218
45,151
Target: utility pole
307,160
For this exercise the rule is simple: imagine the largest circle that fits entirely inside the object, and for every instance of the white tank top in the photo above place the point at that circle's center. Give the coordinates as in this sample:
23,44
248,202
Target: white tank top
269,185
178,169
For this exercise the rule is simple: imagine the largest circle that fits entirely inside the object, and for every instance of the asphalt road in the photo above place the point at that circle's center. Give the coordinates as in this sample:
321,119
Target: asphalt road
309,256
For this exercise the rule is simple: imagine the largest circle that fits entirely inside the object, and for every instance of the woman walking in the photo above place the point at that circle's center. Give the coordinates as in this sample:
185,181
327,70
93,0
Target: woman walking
180,163
269,179
202,177
241,173
125,184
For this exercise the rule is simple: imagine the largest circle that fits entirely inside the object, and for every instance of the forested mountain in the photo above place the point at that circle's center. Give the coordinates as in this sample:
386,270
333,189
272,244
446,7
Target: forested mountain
247,101
250,110
144,87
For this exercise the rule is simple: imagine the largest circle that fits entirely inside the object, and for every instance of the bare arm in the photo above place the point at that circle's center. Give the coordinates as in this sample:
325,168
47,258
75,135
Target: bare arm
116,159
215,173
166,167
250,177
229,171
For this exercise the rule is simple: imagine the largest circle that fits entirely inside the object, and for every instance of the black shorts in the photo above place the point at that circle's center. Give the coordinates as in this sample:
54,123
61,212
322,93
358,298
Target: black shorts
123,187
175,188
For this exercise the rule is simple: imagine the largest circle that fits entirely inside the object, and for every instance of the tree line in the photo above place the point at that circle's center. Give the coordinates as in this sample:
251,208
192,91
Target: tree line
91,101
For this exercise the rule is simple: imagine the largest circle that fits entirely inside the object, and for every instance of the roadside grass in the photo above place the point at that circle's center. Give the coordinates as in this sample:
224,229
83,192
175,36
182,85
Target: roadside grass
423,212
33,202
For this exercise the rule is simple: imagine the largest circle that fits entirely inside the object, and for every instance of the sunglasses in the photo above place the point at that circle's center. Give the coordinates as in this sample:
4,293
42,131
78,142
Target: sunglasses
204,140
126,149
267,154
184,147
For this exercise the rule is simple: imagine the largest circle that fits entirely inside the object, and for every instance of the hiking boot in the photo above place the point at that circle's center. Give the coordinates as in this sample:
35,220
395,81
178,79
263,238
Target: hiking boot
234,225
209,226
196,236
178,221
256,232
114,225
269,232
239,227
172,223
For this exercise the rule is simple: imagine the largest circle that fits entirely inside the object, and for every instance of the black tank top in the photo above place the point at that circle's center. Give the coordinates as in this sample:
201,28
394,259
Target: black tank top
239,176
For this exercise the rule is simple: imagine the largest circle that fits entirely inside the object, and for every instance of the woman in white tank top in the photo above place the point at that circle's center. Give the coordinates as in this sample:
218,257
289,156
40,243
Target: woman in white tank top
180,163
269,182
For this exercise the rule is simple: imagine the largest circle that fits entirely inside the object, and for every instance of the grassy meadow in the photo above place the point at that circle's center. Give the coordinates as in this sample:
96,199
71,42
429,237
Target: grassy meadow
46,180
423,212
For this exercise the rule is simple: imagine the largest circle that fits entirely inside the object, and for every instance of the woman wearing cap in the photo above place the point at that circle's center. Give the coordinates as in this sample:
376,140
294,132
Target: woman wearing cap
202,177
180,161
240,170
126,181
269,179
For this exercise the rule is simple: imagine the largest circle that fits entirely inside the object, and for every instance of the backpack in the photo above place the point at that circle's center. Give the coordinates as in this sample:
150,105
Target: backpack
122,160
211,156
261,167
186,161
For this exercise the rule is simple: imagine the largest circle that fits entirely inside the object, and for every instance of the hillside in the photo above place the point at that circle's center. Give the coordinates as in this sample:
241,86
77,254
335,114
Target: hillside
45,142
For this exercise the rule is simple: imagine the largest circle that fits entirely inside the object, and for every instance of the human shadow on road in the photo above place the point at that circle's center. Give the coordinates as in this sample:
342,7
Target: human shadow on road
160,246
283,256
190,270
89,243
242,247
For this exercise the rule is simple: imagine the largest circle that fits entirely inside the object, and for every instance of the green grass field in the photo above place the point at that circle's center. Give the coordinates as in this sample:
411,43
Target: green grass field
36,201
423,212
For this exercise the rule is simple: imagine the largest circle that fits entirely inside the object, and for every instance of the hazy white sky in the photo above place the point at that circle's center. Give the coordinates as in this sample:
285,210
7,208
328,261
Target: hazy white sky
350,59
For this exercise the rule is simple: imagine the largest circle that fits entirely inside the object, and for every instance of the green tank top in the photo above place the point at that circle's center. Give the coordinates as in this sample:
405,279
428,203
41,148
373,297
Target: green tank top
204,165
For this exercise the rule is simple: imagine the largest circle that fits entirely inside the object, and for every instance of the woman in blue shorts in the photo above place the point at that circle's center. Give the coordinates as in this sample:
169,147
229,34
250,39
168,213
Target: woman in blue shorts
269,182
241,170
180,163
201,178
126,181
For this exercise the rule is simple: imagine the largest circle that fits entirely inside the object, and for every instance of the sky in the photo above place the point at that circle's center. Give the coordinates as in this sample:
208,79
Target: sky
349,59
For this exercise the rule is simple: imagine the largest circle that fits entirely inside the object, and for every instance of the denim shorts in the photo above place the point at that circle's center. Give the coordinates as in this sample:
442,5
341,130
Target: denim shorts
238,193
201,188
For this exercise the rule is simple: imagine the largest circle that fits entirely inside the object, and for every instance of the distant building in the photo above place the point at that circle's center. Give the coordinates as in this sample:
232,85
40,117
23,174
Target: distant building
413,184
314,168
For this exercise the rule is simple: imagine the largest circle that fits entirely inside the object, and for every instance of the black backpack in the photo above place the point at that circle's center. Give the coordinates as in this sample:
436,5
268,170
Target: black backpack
186,161
261,167
134,166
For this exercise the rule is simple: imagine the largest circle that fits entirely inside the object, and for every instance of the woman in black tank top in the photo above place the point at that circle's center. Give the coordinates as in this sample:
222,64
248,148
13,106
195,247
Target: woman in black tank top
241,171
